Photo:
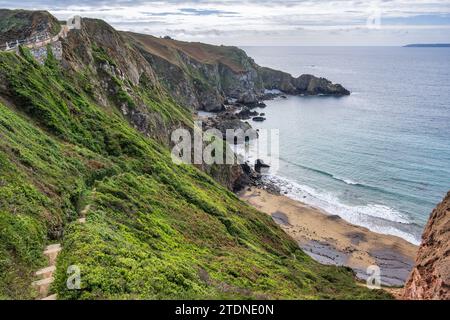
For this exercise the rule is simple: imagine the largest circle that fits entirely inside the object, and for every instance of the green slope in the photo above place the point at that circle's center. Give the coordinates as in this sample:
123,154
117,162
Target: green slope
155,229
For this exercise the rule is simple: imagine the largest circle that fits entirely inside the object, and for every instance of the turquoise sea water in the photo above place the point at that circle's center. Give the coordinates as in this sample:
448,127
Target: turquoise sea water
379,158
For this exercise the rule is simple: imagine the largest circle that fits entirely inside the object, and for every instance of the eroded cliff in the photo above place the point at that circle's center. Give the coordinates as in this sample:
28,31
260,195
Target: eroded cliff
204,76
430,278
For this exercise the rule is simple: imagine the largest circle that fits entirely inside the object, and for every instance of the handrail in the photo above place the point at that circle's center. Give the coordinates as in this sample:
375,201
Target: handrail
37,40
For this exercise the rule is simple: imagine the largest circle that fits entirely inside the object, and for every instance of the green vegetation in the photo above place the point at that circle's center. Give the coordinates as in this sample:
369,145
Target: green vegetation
101,56
11,22
155,229
14,21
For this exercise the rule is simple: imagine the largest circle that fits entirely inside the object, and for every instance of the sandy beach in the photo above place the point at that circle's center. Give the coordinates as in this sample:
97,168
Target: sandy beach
331,240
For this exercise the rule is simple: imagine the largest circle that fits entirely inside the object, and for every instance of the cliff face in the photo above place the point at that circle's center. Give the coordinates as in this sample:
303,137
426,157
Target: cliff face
203,76
120,77
21,24
430,278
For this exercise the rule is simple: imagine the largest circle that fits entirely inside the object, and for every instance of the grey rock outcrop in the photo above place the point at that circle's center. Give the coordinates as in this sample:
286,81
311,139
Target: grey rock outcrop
305,84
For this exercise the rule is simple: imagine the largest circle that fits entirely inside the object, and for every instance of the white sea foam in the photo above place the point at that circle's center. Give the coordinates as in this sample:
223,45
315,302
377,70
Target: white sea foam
346,180
272,91
376,217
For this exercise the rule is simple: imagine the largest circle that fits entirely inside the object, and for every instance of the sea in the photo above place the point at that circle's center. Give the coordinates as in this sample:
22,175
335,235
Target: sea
379,158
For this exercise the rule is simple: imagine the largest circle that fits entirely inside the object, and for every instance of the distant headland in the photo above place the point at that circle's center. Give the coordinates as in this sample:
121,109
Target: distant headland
428,45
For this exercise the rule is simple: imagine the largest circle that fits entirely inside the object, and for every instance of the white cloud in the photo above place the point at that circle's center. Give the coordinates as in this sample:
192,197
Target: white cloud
253,22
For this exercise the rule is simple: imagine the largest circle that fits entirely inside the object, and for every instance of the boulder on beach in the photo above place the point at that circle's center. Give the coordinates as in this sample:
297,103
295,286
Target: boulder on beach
260,164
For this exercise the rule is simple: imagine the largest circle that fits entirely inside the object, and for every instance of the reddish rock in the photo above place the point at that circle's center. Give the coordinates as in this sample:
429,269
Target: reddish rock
430,278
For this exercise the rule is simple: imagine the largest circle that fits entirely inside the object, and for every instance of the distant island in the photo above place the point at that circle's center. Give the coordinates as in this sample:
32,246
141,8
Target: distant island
428,45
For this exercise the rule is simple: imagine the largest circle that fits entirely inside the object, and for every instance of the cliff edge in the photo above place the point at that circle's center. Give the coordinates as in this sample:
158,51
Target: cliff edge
204,77
430,278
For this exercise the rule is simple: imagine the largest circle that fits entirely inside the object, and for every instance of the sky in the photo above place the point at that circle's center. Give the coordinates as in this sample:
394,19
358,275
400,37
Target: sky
267,22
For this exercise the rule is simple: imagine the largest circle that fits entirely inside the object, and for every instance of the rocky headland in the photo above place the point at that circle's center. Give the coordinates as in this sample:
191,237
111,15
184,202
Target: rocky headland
205,77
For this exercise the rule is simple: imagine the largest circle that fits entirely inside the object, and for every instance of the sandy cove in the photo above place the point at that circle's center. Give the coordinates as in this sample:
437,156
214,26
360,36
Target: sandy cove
331,240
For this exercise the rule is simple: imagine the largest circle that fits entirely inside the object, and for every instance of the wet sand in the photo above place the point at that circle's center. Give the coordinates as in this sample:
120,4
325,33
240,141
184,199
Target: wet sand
331,240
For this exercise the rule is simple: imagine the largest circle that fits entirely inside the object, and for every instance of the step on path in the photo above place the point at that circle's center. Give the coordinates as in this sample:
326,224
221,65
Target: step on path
46,274
52,251
84,212
86,209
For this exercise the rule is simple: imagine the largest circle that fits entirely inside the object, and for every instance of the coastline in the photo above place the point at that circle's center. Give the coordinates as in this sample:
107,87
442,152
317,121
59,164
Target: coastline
331,240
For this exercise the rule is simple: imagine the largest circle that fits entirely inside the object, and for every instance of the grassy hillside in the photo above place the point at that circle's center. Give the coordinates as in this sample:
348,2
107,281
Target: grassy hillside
154,230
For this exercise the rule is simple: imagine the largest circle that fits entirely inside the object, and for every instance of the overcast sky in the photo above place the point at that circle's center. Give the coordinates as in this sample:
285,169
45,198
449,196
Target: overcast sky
264,22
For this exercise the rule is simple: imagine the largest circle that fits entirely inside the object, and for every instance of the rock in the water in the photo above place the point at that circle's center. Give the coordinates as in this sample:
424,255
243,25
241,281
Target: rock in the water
304,85
255,104
259,164
311,85
246,113
259,119
430,278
